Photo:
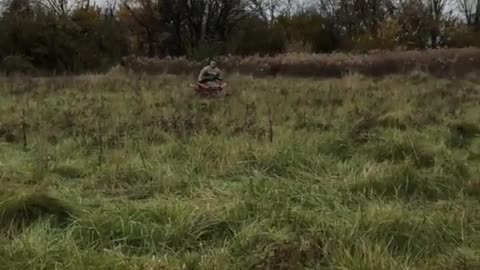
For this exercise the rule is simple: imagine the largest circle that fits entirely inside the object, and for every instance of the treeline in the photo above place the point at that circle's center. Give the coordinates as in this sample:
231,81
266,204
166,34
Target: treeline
66,36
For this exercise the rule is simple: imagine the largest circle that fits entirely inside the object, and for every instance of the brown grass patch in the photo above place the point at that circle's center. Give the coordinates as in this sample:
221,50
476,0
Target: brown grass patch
288,255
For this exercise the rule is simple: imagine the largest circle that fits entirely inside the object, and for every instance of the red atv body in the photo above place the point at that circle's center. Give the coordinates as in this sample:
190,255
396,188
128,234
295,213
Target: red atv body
211,88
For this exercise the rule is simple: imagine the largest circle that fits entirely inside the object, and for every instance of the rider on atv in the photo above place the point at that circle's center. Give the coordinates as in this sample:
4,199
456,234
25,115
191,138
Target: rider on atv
210,73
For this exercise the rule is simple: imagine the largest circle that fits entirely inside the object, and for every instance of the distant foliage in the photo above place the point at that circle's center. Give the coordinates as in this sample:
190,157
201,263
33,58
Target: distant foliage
84,39
386,38
316,30
16,64
77,36
257,37
205,50
464,37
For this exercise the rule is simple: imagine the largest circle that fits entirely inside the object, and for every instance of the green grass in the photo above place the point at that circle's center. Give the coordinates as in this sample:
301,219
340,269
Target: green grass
128,172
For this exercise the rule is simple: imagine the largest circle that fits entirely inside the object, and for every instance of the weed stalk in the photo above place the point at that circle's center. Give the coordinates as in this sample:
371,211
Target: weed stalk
270,124
100,131
24,124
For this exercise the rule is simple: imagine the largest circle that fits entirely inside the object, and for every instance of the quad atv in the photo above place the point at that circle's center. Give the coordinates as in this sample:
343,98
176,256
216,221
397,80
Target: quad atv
210,88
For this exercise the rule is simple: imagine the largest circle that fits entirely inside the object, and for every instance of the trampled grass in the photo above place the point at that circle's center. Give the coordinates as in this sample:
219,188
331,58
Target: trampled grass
350,173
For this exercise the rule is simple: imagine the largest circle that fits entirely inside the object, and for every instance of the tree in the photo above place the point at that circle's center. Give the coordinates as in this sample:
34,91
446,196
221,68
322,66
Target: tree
59,7
266,9
437,21
471,11
178,26
257,36
147,14
412,16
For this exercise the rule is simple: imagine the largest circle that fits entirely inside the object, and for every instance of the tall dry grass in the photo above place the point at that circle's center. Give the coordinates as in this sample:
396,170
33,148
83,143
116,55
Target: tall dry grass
440,62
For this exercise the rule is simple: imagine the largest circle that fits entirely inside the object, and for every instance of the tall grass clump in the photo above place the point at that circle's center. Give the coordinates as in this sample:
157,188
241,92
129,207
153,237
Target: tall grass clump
18,210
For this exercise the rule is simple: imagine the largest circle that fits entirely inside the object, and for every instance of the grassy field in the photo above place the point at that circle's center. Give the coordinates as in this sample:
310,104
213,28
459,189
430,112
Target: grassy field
129,172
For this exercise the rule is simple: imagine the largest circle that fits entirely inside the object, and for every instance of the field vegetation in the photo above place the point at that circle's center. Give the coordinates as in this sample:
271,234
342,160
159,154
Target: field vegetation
438,62
135,172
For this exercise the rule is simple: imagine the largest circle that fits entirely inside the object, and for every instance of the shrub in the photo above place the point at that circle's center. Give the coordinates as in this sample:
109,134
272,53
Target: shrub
16,64
385,38
463,37
205,50
261,39
324,39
